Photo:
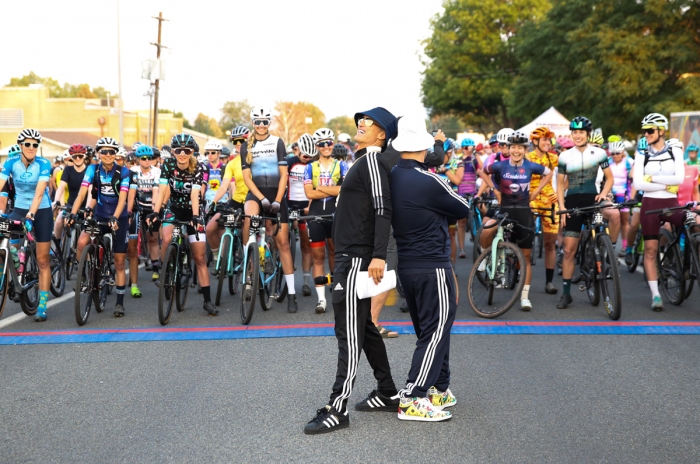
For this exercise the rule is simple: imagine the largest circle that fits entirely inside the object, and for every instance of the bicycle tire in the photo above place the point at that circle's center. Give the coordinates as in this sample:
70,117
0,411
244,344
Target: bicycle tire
265,290
3,283
476,248
66,251
609,280
58,271
224,253
586,271
535,246
251,278
29,299
182,289
636,251
234,280
279,287
292,248
540,250
166,291
670,269
512,250
84,300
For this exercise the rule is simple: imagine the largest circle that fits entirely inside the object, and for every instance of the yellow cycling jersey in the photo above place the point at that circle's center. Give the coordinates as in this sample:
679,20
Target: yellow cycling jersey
234,172
548,160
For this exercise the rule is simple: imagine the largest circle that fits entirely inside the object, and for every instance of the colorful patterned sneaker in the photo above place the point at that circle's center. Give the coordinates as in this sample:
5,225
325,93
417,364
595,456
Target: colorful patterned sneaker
421,409
657,304
327,420
135,292
375,401
441,399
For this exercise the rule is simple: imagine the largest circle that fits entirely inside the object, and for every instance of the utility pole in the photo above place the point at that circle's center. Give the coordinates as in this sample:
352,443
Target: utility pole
155,95
119,72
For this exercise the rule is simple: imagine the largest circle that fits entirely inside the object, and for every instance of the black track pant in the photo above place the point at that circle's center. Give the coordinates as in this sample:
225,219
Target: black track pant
431,299
355,332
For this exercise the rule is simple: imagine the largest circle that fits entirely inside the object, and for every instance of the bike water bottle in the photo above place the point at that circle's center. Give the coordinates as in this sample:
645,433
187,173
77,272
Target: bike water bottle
20,256
682,242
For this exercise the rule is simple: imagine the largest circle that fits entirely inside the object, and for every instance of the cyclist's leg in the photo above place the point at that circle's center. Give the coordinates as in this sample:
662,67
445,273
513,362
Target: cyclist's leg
452,229
305,246
214,233
461,234
133,249
550,231
612,215
120,246
58,225
252,207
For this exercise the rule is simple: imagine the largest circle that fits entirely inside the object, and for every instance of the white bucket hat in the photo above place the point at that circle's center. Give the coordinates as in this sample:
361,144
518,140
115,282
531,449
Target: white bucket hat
413,135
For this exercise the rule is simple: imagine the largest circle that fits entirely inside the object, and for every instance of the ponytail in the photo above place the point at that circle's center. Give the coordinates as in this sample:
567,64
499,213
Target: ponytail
192,164
249,148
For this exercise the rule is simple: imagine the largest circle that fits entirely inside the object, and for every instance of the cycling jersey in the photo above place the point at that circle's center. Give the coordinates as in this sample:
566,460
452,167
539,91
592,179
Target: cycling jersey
316,175
621,172
547,160
106,187
73,180
26,179
268,156
514,183
234,173
452,165
468,184
143,183
296,168
214,175
181,182
581,168
689,185
667,169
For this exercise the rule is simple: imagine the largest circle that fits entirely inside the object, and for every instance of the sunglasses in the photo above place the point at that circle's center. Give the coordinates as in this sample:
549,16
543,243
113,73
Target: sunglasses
76,157
211,153
305,156
183,151
237,141
259,122
650,131
145,158
108,152
325,143
30,145
366,121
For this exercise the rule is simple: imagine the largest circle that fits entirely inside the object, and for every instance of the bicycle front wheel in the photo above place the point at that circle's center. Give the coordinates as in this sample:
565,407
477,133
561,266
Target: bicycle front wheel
222,269
29,298
670,268
279,289
85,285
234,280
166,292
3,282
497,295
609,278
182,282
637,252
251,279
587,271
58,270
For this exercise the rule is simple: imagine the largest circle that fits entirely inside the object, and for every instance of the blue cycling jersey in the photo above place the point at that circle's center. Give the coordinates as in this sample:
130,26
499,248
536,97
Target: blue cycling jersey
26,179
110,183
514,181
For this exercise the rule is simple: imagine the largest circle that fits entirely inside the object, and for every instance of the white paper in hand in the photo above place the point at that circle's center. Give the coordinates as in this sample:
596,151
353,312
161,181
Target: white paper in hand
366,287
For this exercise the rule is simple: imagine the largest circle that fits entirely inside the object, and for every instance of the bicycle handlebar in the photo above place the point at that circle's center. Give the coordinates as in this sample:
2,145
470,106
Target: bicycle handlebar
318,218
277,219
667,211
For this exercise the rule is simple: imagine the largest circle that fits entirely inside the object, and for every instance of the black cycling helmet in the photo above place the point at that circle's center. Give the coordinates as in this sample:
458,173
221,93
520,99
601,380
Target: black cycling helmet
225,152
340,151
493,140
156,152
184,141
581,123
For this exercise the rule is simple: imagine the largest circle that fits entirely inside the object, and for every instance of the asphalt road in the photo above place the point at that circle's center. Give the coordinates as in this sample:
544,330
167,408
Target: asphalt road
525,398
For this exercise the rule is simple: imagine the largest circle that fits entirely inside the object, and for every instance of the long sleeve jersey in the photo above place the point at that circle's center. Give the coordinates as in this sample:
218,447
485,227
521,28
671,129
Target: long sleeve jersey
363,214
421,204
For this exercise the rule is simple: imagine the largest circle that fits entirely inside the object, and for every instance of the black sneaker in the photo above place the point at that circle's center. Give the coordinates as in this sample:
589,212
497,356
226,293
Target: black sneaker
564,301
211,309
327,420
119,311
375,401
404,307
292,305
306,290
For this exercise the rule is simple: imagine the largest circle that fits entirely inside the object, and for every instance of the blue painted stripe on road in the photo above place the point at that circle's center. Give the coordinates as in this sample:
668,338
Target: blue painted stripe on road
325,330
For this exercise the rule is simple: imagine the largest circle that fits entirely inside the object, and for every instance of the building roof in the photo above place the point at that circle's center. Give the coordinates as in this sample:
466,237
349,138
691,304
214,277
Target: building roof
69,138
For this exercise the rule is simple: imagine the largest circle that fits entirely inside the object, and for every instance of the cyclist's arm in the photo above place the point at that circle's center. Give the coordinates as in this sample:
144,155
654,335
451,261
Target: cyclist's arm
59,198
639,182
81,197
332,191
163,191
248,179
457,177
677,177
40,189
609,181
314,194
223,188
486,178
131,197
561,189
545,178
194,197
282,186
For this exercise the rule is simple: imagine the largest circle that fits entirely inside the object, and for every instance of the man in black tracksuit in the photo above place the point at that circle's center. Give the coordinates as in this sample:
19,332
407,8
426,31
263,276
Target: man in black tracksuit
360,235
421,204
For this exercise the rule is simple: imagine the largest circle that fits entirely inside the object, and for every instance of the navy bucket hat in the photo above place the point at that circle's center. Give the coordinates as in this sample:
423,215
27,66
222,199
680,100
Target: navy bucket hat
384,118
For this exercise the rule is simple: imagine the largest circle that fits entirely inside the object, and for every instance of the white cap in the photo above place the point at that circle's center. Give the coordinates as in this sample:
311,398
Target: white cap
343,137
413,135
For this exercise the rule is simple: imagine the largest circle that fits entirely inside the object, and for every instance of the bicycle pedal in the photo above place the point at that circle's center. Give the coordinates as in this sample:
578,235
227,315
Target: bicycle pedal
582,288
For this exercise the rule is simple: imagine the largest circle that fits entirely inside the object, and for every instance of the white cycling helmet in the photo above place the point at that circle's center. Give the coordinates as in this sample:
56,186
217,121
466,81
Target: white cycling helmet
503,134
107,142
307,146
212,145
201,158
655,120
518,138
29,134
323,134
343,137
122,153
259,112
616,147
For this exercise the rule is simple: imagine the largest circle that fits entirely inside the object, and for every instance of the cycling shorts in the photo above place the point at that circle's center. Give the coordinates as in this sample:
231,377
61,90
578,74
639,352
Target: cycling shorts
270,194
135,226
120,238
299,205
548,227
319,232
43,222
523,216
575,223
177,214
651,223
621,198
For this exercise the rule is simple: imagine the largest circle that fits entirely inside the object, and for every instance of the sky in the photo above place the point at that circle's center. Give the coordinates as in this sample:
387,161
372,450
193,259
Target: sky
343,56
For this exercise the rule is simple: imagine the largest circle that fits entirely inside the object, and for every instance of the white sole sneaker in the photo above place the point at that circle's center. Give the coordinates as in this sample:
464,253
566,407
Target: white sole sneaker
525,304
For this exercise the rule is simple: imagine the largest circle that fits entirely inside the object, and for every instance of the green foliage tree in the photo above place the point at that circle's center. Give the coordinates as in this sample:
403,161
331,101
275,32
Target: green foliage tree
611,61
58,91
207,125
290,120
472,58
178,114
341,124
235,114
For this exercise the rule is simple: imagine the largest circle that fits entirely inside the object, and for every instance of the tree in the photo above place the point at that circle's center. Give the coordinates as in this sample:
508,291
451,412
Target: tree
451,125
341,124
58,91
235,114
178,114
207,125
614,62
472,58
290,122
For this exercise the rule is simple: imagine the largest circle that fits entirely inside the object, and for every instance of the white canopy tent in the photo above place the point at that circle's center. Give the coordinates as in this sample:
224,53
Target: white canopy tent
551,119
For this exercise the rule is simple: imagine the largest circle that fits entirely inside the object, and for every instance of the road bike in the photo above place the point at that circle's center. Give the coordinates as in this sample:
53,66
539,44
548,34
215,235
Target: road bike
19,278
490,203
176,272
69,244
230,260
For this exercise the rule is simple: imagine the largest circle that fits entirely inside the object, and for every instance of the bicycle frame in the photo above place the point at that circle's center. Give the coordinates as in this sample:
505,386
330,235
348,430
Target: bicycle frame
232,232
257,236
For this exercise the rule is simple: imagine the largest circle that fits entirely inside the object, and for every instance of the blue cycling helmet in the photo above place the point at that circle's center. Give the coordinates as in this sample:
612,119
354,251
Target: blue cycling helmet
448,145
14,150
467,143
691,147
144,151
642,144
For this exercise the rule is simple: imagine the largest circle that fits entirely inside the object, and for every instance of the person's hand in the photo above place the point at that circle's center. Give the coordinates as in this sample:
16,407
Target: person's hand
691,204
114,223
265,204
533,195
376,270
28,224
275,207
562,218
69,220
600,197
672,188
88,213
198,223
440,136
153,218
131,216
211,207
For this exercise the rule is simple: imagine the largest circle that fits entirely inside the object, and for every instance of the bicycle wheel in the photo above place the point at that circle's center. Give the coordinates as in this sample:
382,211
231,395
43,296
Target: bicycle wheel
105,277
85,285
637,251
234,280
476,248
3,282
66,251
29,298
224,253
500,293
587,269
182,286
279,283
292,248
670,268
535,246
58,270
166,291
109,258
251,279
268,267
609,278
